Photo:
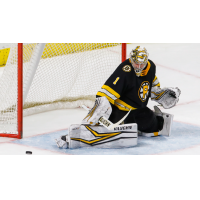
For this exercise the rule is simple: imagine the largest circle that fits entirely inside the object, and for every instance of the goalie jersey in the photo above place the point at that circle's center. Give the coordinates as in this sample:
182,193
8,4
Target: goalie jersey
127,91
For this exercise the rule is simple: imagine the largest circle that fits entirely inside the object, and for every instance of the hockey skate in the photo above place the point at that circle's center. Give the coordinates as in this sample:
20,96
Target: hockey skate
153,134
62,142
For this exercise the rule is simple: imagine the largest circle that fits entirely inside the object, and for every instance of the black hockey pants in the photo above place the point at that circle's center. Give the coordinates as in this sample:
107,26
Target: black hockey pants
145,118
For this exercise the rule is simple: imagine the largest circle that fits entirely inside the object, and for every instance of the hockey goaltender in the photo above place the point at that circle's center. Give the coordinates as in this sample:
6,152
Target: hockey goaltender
120,112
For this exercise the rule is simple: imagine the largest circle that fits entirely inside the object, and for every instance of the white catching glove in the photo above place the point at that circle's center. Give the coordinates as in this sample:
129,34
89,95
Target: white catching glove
101,108
167,97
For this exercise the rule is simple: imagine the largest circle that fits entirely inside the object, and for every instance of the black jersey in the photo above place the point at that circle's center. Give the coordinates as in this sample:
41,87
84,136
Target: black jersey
127,91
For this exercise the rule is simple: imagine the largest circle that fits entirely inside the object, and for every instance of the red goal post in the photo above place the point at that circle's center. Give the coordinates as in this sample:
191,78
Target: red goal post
19,134
109,49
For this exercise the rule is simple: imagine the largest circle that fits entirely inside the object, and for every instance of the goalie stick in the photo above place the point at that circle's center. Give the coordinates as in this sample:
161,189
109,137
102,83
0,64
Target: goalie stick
108,124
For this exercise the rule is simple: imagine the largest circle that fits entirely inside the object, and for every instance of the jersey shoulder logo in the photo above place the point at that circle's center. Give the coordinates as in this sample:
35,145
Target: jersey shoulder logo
143,91
126,68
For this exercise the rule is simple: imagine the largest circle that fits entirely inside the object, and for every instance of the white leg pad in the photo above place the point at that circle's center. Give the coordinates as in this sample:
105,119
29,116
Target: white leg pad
100,137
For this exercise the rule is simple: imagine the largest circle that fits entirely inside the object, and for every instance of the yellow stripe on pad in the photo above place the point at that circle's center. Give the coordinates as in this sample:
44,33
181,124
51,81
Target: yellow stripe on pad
158,85
155,133
103,136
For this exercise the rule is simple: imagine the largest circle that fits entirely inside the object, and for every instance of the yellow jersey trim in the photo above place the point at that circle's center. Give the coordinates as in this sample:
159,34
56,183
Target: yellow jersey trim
128,107
154,79
145,72
109,89
104,95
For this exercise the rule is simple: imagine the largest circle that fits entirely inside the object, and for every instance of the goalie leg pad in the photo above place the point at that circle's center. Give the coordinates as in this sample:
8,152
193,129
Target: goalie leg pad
101,108
99,137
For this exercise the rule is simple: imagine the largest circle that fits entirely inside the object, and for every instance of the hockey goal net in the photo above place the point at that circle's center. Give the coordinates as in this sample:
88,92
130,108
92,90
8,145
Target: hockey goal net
54,76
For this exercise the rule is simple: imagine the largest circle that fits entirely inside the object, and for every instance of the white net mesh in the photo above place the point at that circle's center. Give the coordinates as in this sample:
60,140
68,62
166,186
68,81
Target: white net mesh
68,75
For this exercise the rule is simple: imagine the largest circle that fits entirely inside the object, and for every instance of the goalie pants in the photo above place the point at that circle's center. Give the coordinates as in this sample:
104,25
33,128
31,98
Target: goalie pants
145,118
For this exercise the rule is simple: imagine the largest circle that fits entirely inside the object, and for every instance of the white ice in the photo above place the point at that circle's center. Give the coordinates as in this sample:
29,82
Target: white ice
178,65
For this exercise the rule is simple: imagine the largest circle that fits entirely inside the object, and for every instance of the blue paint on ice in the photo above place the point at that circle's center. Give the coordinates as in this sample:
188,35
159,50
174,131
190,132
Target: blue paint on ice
182,136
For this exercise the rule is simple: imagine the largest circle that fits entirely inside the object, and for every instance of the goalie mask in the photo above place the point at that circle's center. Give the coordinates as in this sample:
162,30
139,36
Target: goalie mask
139,58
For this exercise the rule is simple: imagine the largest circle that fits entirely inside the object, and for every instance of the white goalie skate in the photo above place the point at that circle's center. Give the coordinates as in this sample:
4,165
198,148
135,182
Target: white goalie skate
62,143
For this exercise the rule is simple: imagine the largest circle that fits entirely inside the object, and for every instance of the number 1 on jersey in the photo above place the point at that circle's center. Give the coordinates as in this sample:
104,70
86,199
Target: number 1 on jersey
116,81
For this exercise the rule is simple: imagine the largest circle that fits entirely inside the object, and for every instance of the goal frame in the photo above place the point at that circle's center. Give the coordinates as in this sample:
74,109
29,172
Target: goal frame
20,91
